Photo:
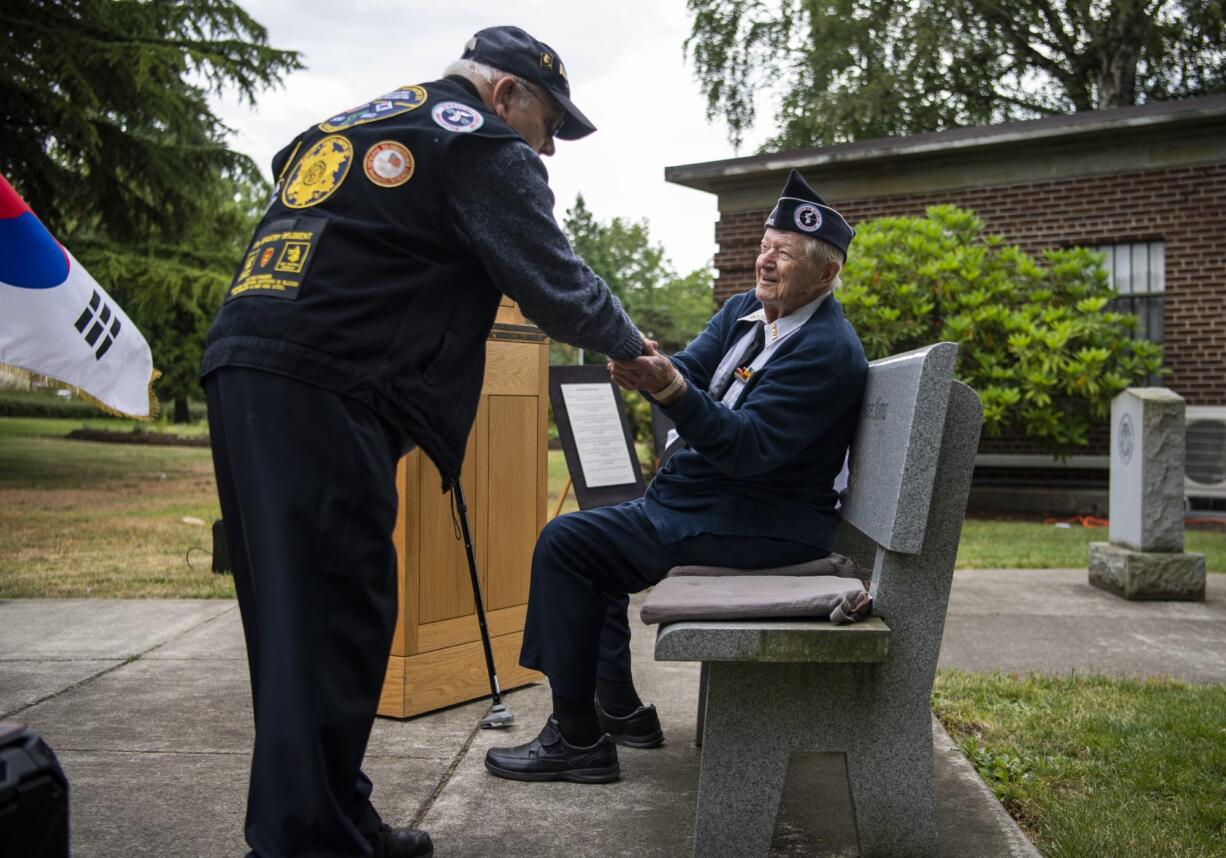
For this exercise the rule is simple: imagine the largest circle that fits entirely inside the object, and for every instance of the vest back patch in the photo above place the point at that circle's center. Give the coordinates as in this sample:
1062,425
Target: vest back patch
392,104
388,164
318,173
276,264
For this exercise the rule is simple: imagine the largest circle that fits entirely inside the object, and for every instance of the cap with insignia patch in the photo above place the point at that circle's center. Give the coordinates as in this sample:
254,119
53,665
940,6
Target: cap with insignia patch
513,50
801,210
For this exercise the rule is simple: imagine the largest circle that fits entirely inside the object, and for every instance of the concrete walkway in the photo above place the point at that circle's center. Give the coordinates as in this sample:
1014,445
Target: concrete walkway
146,703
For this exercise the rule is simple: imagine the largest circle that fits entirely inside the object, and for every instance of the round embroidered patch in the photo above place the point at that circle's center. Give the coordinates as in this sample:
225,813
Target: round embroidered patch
318,173
388,164
393,104
457,117
808,217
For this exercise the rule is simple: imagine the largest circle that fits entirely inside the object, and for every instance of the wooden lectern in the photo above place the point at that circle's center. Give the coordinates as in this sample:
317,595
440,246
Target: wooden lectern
436,658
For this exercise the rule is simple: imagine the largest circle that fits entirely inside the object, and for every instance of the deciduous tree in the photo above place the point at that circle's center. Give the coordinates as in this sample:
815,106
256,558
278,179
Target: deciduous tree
671,309
668,307
854,69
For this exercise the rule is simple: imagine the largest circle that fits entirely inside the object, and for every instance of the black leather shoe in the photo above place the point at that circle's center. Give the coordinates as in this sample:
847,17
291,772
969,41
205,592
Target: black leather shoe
391,842
549,757
639,729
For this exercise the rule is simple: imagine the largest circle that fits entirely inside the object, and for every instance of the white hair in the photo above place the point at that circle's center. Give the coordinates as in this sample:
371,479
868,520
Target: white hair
481,75
819,253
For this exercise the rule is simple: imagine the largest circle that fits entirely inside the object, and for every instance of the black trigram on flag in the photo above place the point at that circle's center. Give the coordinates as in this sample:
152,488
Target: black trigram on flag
99,313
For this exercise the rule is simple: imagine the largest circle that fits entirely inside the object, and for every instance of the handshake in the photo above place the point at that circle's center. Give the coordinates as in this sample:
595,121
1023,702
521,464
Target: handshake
650,372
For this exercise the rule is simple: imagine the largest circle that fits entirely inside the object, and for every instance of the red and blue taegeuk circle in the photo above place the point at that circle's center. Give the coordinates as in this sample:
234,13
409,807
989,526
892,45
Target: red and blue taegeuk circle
29,257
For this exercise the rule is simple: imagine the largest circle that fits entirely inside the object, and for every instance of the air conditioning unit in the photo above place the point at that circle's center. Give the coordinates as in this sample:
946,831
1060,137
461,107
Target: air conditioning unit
1205,465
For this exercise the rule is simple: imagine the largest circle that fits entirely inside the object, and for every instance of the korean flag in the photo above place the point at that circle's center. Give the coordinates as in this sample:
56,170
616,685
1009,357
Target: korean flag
56,321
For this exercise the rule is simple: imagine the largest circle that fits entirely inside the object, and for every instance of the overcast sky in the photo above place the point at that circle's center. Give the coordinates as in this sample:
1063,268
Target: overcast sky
627,74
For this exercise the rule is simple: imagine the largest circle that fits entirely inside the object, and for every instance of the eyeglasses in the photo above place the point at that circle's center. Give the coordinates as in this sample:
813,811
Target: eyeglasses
548,105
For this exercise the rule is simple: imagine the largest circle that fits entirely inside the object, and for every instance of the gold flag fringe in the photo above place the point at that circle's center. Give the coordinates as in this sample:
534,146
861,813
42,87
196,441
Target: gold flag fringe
37,378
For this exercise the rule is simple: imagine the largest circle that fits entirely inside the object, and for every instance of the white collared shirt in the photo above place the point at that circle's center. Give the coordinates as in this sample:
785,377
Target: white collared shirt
776,332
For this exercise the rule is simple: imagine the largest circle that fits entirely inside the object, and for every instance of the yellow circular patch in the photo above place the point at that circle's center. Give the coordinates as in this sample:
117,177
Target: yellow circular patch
318,173
388,164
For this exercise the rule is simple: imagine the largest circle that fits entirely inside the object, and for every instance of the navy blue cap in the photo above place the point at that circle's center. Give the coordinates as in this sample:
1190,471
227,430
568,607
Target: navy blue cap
801,210
513,50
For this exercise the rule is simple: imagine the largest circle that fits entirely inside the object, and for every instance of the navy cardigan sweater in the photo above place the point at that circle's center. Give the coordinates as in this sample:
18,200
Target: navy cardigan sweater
767,466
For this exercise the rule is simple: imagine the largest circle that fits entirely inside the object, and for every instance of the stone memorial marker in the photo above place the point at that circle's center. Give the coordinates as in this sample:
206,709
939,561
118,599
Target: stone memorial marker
1145,557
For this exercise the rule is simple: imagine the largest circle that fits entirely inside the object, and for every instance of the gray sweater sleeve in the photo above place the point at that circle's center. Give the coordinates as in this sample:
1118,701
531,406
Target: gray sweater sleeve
500,206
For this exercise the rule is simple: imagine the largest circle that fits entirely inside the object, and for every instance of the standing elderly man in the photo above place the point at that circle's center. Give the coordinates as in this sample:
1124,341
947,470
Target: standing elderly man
354,330
766,400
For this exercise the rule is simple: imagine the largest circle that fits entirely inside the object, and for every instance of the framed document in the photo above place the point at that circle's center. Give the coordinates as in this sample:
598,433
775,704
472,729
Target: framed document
595,436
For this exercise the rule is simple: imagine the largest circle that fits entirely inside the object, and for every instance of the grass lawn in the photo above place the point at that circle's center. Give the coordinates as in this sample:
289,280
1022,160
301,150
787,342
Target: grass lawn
557,481
992,544
1089,766
1096,766
79,518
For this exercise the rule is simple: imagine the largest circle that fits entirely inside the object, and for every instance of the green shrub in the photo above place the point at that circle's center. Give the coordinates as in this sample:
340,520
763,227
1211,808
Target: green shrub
36,403
46,403
1038,342
638,413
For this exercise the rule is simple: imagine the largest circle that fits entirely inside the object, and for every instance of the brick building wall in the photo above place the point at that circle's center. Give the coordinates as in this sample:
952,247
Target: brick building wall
1185,208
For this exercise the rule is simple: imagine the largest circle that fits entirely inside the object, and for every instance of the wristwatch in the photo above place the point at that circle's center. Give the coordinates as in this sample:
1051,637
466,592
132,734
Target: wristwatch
669,390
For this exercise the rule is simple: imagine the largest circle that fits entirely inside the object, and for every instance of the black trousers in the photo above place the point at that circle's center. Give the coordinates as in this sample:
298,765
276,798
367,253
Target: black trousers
586,563
308,499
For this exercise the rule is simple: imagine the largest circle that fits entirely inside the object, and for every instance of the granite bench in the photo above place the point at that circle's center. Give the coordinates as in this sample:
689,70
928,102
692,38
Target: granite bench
772,688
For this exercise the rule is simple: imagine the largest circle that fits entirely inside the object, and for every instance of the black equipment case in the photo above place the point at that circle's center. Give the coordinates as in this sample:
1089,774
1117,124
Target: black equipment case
33,796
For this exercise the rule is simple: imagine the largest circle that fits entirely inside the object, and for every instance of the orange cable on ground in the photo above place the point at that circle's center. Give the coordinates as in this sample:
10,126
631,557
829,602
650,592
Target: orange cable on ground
1095,521
1083,520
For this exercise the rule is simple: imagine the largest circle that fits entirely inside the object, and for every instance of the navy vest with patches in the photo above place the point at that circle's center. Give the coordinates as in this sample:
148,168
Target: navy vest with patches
354,282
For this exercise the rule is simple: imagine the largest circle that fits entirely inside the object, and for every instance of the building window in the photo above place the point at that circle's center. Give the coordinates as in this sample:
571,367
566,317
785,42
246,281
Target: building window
1138,273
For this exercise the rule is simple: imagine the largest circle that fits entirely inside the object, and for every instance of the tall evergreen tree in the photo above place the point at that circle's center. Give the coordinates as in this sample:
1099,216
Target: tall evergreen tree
172,291
106,114
110,138
854,69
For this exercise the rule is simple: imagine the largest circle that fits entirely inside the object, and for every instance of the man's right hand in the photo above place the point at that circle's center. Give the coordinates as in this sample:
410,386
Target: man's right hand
650,373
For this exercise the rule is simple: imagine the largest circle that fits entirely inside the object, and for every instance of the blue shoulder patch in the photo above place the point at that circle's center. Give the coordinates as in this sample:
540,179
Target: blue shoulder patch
392,104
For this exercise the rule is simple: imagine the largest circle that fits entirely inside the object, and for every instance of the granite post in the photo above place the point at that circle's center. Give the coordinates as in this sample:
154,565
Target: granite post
1145,557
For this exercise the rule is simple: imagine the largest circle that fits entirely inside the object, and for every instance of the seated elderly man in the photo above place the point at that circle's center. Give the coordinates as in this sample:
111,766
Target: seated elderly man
766,400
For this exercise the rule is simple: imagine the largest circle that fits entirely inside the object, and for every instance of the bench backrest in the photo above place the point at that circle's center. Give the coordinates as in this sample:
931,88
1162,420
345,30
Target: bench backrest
912,464
894,453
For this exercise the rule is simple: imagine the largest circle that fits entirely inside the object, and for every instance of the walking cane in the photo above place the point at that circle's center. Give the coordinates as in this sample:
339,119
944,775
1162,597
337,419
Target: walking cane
499,715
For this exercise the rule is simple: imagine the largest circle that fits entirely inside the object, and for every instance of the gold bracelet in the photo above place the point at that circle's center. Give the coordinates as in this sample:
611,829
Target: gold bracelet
669,389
